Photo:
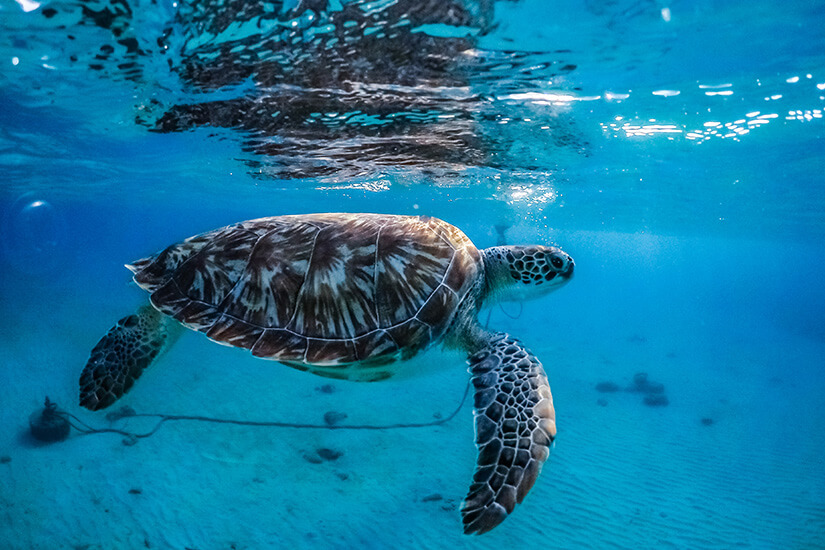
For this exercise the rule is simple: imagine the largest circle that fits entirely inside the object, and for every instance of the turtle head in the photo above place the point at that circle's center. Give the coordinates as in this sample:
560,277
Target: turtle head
516,273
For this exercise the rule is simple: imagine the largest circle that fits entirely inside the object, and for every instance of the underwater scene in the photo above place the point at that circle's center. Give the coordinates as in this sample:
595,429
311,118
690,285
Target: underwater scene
411,220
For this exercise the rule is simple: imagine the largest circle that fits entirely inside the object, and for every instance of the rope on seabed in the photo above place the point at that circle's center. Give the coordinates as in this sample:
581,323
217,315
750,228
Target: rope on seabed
85,429
517,315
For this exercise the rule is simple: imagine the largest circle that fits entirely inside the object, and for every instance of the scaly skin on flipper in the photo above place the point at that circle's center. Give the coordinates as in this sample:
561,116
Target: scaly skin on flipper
515,424
121,356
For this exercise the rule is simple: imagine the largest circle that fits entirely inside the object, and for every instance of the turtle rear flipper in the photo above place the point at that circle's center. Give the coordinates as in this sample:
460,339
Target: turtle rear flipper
515,423
120,357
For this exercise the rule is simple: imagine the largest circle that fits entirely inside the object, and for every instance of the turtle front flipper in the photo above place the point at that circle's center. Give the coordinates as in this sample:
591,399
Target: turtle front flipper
515,423
120,357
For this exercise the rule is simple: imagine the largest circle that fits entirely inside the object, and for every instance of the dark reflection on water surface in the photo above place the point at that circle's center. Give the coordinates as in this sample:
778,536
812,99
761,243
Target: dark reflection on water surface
342,89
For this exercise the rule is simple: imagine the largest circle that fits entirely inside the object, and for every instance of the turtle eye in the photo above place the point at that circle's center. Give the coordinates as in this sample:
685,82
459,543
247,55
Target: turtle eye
557,262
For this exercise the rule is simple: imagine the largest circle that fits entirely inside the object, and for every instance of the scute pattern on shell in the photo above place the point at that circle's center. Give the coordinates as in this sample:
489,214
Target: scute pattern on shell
318,290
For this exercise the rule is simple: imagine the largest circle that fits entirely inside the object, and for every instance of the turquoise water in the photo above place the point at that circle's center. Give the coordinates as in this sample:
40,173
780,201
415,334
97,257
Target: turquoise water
675,150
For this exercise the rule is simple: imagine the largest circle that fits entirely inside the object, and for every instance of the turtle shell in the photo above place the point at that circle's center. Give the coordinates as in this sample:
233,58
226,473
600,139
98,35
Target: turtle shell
319,291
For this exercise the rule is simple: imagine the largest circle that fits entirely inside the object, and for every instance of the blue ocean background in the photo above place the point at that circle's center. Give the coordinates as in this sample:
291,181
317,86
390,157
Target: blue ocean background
674,149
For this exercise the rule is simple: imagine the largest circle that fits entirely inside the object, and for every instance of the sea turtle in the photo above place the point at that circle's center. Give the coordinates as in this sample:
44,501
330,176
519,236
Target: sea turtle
345,296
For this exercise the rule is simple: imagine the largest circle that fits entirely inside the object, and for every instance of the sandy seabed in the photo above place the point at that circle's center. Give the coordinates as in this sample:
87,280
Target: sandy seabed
734,459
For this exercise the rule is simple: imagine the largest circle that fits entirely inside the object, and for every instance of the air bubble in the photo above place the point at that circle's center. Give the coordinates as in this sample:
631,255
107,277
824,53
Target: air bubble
34,236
